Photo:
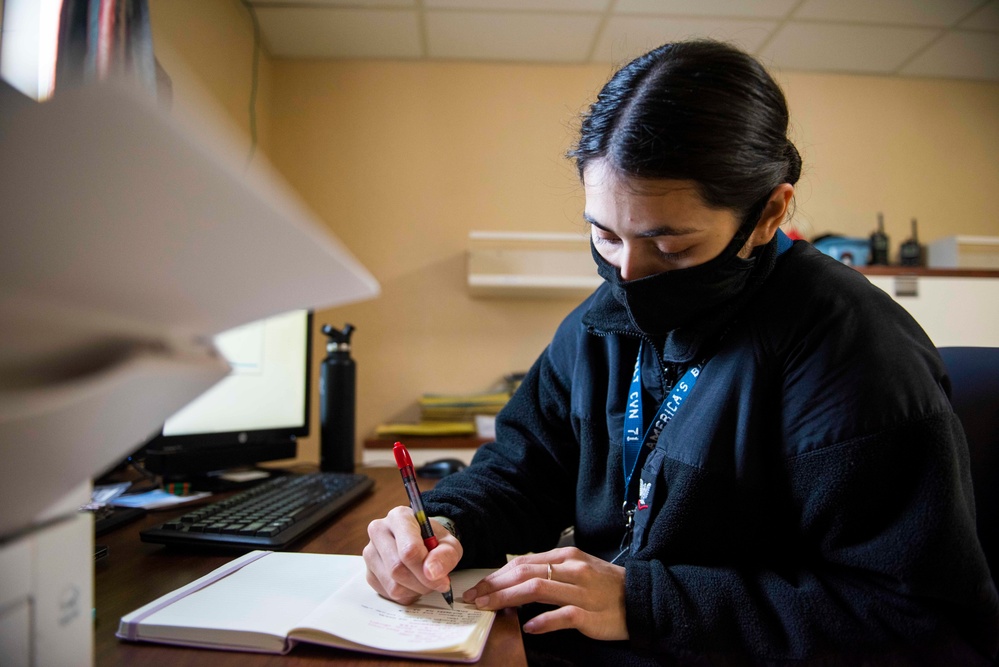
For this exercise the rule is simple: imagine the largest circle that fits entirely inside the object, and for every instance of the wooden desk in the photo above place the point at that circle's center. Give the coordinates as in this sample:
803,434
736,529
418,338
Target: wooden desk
135,573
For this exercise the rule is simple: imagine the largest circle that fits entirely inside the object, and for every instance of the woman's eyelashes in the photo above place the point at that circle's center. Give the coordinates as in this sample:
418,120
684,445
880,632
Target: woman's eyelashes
674,256
660,253
651,248
606,240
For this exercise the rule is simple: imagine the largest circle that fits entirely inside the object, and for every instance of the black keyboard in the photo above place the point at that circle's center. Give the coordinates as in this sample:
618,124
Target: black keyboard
107,521
269,516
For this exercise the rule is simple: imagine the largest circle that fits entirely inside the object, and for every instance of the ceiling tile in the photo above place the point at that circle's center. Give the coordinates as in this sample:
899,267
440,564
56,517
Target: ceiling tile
695,8
522,5
378,4
624,38
940,13
844,48
510,36
941,38
302,32
986,18
959,54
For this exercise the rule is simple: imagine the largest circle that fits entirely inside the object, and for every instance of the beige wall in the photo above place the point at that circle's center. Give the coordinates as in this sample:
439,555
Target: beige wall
206,48
919,148
403,159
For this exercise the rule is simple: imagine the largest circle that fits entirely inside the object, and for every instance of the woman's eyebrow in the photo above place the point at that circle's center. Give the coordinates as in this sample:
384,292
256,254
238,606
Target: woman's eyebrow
665,230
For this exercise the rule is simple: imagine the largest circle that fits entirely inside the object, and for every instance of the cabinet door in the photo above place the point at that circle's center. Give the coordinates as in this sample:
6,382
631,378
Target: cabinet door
952,311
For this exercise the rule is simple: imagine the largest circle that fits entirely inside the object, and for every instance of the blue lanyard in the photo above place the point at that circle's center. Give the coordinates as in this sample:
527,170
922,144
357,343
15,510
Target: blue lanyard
633,441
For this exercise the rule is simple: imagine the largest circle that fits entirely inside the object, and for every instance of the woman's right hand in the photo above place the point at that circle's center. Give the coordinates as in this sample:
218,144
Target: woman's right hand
400,567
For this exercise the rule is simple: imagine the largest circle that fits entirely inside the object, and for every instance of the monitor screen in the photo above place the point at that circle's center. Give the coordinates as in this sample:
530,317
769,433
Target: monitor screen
254,414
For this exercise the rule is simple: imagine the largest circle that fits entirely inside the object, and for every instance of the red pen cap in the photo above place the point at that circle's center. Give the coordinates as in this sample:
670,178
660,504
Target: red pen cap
402,458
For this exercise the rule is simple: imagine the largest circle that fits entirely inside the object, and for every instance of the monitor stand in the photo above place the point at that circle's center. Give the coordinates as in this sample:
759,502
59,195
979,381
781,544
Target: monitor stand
232,479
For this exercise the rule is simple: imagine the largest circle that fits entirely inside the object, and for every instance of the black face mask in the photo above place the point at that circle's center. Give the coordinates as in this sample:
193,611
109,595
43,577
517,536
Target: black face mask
666,301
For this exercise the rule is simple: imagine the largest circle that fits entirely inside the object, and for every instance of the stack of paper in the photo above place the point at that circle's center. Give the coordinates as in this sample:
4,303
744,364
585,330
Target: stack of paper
426,429
461,407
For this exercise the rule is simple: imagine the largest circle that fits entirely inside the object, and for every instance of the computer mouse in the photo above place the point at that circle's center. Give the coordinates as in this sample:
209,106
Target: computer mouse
440,468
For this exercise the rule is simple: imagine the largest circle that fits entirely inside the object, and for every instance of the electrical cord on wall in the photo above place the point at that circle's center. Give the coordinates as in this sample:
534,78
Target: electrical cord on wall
254,79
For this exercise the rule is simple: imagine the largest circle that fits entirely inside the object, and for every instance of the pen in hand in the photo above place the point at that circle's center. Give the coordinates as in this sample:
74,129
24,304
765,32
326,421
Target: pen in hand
405,463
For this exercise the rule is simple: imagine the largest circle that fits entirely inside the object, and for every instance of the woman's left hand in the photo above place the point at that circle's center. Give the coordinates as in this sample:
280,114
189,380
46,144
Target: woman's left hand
588,591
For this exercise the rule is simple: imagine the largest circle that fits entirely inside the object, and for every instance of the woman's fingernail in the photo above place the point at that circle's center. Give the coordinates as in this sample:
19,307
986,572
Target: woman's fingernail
469,595
529,627
482,602
434,570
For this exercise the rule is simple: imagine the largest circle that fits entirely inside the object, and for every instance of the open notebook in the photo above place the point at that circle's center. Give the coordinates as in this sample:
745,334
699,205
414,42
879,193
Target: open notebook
267,602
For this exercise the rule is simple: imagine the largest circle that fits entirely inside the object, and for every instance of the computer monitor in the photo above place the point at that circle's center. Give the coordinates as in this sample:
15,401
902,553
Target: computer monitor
255,414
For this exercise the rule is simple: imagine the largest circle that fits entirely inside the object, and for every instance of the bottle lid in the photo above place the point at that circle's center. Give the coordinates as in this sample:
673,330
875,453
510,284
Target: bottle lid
338,339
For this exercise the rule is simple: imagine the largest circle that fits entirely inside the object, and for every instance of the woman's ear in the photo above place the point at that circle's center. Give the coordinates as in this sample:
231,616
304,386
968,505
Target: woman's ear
771,219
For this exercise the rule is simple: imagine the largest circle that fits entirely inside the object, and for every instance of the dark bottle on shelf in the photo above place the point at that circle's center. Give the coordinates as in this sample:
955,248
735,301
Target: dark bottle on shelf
879,243
337,402
910,253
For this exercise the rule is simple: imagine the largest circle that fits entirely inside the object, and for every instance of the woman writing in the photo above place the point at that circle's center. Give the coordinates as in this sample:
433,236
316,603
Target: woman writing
751,442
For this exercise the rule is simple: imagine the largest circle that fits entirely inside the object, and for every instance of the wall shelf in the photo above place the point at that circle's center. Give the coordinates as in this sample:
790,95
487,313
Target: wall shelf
968,252
530,265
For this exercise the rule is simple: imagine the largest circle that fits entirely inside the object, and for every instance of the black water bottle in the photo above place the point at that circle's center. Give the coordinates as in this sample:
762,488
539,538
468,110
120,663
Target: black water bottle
337,399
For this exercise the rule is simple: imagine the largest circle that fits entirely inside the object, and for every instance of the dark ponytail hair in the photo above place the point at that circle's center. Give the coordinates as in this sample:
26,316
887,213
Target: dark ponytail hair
698,110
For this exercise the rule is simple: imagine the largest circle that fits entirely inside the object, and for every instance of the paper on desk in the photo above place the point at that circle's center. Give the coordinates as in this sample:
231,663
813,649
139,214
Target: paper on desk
128,242
157,499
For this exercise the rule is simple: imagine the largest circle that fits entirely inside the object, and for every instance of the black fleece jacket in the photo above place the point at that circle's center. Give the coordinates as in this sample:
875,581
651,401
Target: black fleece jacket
815,505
